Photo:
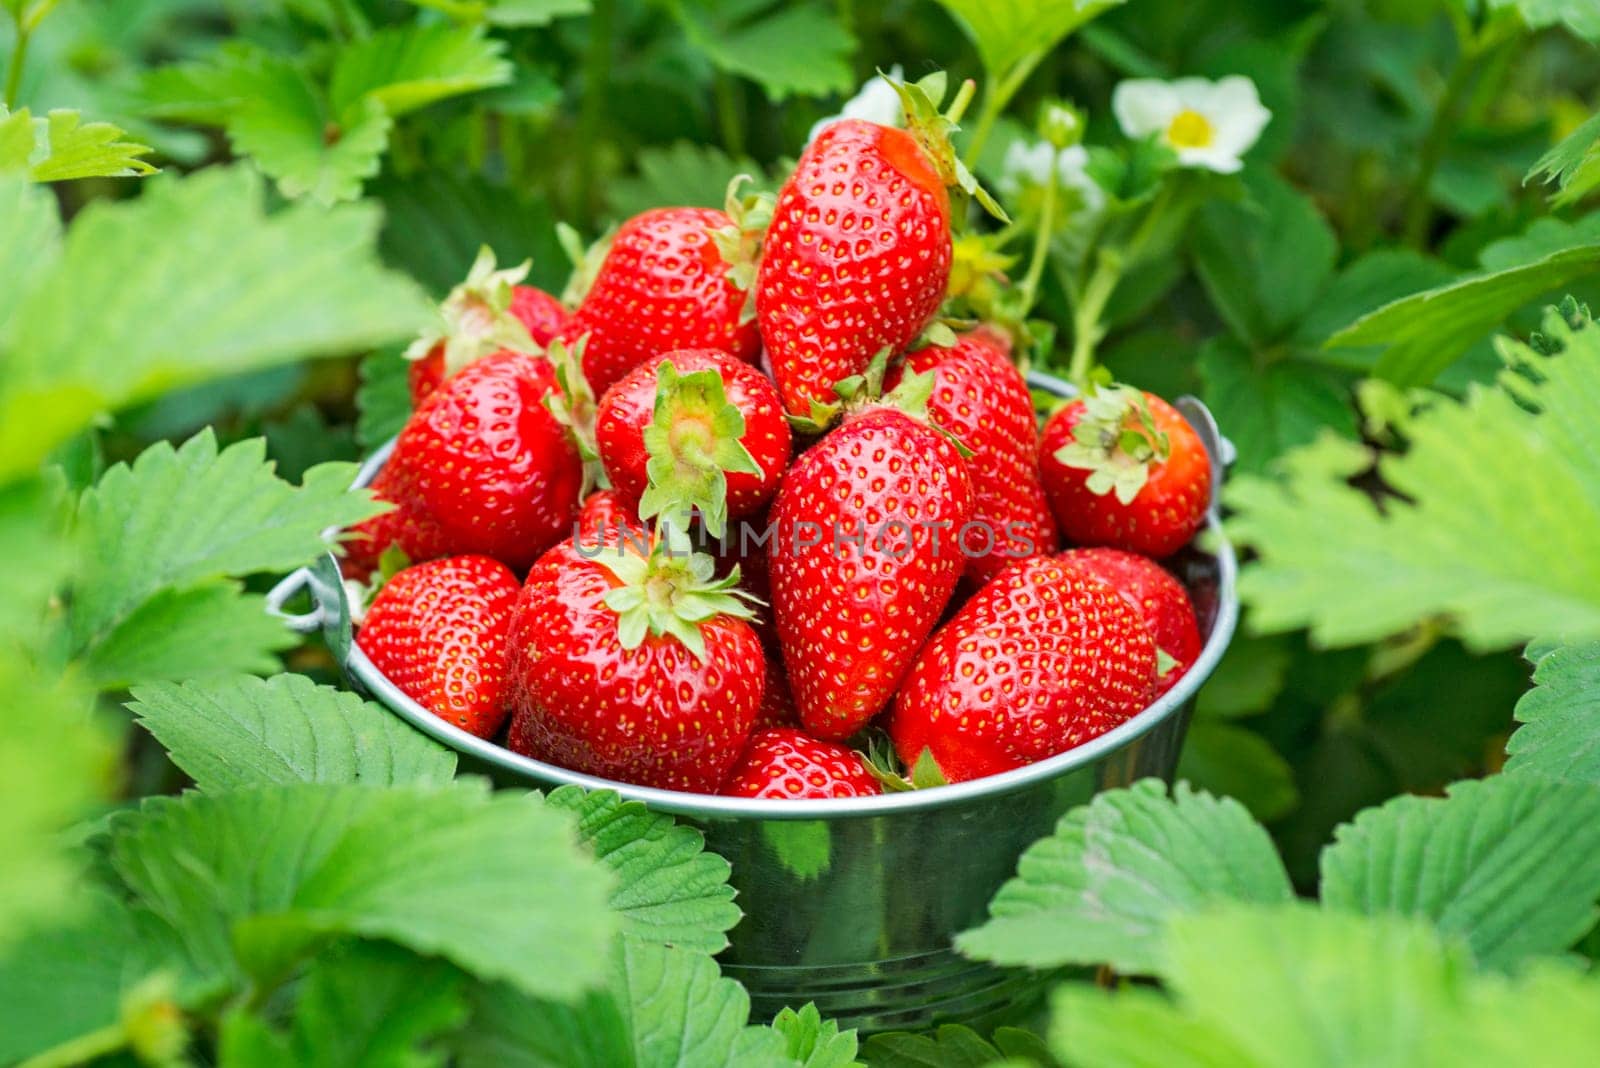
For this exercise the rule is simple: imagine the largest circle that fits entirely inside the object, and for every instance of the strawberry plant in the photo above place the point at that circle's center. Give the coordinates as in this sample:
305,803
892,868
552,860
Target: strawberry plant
538,758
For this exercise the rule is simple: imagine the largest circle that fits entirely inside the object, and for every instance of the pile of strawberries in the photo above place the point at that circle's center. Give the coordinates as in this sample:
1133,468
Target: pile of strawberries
751,503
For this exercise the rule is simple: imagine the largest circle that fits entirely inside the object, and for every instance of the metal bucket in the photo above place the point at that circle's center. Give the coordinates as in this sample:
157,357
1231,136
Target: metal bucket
853,903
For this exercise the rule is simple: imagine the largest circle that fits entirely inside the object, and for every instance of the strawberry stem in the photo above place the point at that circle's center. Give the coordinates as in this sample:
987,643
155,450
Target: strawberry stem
693,443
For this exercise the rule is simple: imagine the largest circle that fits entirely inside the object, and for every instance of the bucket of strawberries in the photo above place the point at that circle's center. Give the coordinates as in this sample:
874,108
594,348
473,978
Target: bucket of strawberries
758,529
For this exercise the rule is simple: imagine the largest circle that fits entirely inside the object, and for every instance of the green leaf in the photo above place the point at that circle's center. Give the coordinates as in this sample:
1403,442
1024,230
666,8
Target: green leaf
1105,885
510,12
814,1042
681,173
1013,33
1270,409
1236,762
1579,16
1299,987
1495,528
1509,865
957,1046
255,877
30,245
295,139
211,629
1263,260
1136,1028
435,223
1558,738
1370,282
142,573
533,12
1573,165
240,290
69,977
383,400
1282,986
404,68
664,1007
789,49
669,890
1247,680
1425,333
367,1004
60,147
231,733
1543,237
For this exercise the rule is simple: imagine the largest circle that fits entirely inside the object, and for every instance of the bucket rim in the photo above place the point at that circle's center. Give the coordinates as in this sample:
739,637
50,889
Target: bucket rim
715,807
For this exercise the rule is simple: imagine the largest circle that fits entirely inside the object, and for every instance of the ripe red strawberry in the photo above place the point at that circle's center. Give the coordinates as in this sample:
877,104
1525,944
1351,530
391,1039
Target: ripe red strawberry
1040,660
783,764
674,278
605,515
484,467
777,704
1123,468
863,558
487,313
438,632
857,257
641,670
981,398
1162,602
694,429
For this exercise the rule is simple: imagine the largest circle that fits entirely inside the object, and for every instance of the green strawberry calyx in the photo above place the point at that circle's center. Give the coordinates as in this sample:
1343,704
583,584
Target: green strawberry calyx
671,594
573,404
910,395
693,443
475,319
739,242
884,765
1117,441
933,128
586,261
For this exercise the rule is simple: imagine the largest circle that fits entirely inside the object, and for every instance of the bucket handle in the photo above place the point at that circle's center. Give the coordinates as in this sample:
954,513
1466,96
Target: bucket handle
291,584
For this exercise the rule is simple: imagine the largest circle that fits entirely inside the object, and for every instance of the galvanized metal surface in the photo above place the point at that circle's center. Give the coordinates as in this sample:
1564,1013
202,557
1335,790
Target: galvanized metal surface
853,903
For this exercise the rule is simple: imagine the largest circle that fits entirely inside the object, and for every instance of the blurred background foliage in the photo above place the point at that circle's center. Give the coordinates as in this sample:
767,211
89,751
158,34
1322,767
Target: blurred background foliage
1394,163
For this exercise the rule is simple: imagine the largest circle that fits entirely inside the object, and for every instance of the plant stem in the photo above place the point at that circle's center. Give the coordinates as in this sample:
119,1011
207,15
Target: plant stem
1419,202
1087,330
728,114
996,95
19,56
596,72
1041,242
81,1050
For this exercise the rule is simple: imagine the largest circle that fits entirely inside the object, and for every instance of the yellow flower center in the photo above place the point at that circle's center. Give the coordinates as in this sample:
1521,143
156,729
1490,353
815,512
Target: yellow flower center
1190,129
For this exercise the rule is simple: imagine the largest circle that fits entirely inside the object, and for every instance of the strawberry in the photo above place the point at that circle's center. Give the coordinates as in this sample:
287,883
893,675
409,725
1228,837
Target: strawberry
777,704
635,668
1040,660
980,397
1162,602
783,764
483,466
863,558
604,514
438,631
695,429
489,312
857,256
673,278
1123,468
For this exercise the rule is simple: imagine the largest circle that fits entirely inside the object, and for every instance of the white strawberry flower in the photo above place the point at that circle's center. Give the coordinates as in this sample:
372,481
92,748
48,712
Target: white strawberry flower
1029,164
1210,125
876,102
